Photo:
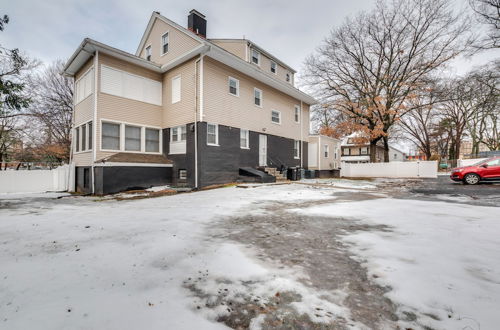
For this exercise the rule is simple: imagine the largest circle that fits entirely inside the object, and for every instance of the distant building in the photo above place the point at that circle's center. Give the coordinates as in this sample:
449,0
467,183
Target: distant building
323,154
355,152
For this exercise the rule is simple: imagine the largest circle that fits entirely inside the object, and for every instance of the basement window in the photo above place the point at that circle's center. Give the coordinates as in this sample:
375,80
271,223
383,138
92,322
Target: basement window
244,137
296,149
182,174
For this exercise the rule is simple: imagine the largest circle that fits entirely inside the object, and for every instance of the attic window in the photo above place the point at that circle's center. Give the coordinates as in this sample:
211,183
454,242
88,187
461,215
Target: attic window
164,43
273,67
288,77
148,53
255,57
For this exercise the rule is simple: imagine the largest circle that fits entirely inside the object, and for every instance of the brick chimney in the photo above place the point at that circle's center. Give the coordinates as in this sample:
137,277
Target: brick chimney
197,23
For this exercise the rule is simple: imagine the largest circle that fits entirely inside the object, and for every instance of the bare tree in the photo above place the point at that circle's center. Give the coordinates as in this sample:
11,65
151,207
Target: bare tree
371,65
53,108
488,13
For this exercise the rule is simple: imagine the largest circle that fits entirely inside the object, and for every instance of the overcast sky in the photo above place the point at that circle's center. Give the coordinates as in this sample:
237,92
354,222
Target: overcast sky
51,29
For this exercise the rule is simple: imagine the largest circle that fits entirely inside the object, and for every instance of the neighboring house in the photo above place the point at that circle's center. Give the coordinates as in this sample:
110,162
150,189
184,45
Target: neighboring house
323,154
355,152
183,110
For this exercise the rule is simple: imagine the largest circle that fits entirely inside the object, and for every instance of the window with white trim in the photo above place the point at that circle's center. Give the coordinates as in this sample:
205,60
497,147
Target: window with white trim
176,89
363,151
276,116
297,113
178,133
83,137
148,53
255,57
212,134
164,43
234,86
326,149
84,86
132,138
274,67
257,97
110,136
296,149
152,140
288,77
346,151
244,139
182,174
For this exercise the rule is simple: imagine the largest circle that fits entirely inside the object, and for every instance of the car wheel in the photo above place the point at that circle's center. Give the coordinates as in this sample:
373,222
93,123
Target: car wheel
471,178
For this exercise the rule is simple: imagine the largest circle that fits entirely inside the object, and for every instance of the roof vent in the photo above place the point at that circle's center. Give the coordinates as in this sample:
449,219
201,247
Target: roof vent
197,23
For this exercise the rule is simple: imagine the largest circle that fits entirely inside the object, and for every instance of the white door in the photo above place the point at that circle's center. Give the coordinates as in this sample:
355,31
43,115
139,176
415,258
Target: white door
262,150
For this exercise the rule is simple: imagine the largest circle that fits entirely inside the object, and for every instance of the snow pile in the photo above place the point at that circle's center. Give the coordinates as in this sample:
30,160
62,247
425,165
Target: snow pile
343,183
441,259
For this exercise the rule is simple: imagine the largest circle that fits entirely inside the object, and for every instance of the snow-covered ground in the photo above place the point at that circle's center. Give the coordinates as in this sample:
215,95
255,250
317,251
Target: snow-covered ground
91,263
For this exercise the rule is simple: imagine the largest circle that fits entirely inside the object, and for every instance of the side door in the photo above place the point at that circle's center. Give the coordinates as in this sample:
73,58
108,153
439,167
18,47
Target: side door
262,150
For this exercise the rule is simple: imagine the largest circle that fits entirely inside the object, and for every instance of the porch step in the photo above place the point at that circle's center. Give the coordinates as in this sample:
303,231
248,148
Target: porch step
276,173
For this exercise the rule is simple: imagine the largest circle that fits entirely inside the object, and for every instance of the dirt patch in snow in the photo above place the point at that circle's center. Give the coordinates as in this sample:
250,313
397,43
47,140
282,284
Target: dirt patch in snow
313,244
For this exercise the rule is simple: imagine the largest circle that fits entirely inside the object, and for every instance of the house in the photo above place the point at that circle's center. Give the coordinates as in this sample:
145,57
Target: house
356,151
183,110
324,155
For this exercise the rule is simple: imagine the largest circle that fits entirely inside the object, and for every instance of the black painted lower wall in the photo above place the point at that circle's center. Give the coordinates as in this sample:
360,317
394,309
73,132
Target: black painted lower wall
220,164
112,179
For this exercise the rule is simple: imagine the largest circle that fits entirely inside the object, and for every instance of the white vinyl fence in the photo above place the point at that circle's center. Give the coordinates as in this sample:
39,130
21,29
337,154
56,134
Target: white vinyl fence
469,162
35,180
420,169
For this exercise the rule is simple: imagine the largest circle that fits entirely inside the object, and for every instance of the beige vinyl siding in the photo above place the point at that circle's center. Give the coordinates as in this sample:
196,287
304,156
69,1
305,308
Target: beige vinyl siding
182,112
83,158
326,163
223,108
235,47
84,111
179,42
122,109
265,65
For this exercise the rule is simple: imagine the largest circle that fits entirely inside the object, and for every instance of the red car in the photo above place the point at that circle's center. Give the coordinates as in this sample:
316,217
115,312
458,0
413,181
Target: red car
486,170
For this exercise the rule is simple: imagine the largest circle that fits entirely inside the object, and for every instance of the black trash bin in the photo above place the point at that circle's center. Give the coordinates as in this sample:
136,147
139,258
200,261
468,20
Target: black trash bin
291,174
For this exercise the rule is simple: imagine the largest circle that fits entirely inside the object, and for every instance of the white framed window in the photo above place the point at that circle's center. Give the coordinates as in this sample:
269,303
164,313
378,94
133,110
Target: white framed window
182,174
178,133
148,53
164,43
326,150
234,86
84,86
363,151
288,77
274,67
244,139
152,140
124,84
176,89
257,97
132,138
213,134
297,114
255,57
346,151
77,139
110,136
276,116
296,149
83,137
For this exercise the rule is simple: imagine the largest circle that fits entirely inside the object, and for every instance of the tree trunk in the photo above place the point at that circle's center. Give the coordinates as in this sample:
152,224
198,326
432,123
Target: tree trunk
373,150
386,149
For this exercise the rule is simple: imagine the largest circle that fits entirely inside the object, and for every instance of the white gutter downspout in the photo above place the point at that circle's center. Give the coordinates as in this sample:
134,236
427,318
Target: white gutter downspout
94,124
196,64
301,138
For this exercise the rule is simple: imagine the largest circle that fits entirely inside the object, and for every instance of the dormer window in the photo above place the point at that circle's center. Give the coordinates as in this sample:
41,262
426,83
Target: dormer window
274,67
164,43
255,57
148,53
